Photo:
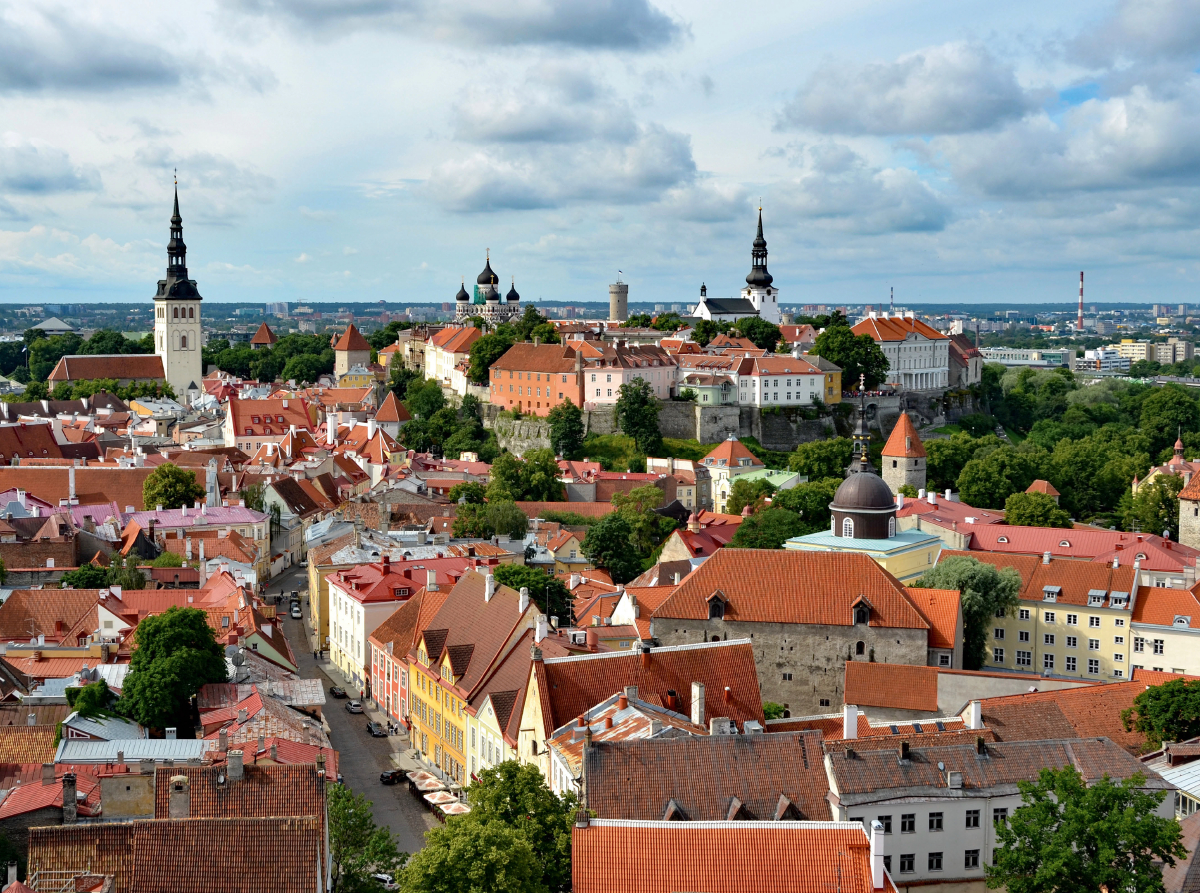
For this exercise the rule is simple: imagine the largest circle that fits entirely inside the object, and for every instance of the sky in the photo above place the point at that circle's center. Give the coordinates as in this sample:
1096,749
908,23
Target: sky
364,150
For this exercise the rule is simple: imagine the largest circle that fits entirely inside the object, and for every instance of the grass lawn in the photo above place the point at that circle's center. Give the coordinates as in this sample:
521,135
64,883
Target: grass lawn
614,451
948,430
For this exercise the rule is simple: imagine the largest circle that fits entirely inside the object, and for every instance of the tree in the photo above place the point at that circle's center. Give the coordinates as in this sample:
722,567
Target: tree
764,334
1166,411
177,653
566,430
811,502
357,847
89,576
946,458
637,508
167,559
255,495
472,491
772,710
549,592
768,529
1070,837
123,572
747,493
637,414
171,487
1155,508
468,856
1167,712
92,700
484,352
987,482
855,354
985,591
822,458
424,398
638,321
1035,510
607,545
706,330
539,477
500,516
516,795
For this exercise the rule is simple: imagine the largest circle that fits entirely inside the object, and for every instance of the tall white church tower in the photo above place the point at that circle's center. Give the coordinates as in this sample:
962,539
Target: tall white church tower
177,324
758,290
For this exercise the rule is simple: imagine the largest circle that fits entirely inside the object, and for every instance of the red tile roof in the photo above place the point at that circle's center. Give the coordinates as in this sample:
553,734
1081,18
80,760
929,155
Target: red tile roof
352,339
264,335
1086,543
392,410
896,328
93,485
776,586
942,609
904,442
270,417
732,451
1040,486
1076,578
1160,607
897,686
545,358
588,509
120,366
616,856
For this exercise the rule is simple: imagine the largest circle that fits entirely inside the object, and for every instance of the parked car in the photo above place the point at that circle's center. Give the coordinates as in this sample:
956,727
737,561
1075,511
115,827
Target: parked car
386,880
297,614
337,691
391,776
376,730
354,706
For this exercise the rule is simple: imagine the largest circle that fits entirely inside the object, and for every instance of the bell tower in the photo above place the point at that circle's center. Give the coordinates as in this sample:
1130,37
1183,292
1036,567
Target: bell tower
759,290
177,323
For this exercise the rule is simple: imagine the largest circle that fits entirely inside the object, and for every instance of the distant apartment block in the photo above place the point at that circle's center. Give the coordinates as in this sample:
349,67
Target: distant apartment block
1014,356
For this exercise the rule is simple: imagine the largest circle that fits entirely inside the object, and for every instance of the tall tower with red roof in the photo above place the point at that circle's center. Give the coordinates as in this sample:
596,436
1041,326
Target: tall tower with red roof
904,460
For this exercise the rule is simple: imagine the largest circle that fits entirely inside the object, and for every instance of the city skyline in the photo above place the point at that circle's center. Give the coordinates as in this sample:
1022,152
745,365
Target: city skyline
347,152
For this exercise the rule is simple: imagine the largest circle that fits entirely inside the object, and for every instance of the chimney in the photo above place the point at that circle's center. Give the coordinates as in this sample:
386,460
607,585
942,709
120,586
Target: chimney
370,429
932,498
146,767
645,656
422,536
947,495
70,805
1137,571
1045,558
899,501
850,721
523,605
975,715
698,703
31,719
12,873
71,484
179,804
728,694
593,643
622,701
235,765
575,580
631,692
980,746
262,743
241,715
877,854
489,587
120,758
541,629
320,761
170,731
274,753
431,583
47,773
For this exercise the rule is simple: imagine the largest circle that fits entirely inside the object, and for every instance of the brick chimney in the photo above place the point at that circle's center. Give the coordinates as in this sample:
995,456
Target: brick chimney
179,805
47,773
235,765
70,806
645,657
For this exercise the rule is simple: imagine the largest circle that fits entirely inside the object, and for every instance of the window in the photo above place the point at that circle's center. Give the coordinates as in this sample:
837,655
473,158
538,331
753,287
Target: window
1093,666
1072,619
1093,644
935,861
848,528
1120,621
1047,661
1023,614
1118,657
1047,638
1023,635
1118,640
1139,644
971,859
906,862
1048,616
998,655
787,677
998,633
1071,665
999,815
935,821
1072,641
908,823
1118,674
862,615
886,821
1024,658
824,702
972,818
1094,622
1158,646
943,660
860,647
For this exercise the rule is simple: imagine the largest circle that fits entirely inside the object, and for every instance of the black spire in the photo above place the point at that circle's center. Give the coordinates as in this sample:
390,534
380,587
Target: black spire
861,460
758,259
176,250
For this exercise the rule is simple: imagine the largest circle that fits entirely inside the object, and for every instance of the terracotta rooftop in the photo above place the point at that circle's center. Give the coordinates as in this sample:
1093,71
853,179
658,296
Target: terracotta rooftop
897,686
731,453
264,335
119,366
1040,486
392,410
904,442
896,328
1160,606
942,608
772,777
352,339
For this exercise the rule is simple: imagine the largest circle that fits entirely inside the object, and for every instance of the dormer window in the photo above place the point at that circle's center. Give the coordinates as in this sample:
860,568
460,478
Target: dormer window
1002,539
862,615
1051,593
1181,620
1065,544
1141,556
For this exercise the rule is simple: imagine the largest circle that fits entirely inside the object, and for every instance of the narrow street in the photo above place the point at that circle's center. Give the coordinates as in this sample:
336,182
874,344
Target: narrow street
361,757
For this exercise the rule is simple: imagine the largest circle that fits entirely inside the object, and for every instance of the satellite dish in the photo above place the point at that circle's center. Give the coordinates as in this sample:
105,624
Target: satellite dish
230,651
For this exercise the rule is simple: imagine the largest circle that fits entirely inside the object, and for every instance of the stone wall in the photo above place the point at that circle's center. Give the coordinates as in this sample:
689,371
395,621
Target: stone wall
518,436
813,655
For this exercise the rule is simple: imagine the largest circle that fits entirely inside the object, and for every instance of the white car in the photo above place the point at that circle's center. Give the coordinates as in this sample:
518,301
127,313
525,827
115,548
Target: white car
296,612
386,880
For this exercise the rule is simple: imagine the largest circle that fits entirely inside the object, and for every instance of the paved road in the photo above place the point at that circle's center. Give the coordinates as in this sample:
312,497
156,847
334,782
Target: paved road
361,757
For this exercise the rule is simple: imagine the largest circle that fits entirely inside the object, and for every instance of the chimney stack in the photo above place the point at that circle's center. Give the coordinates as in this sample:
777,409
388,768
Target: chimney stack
645,657
489,587
47,773
1079,319
975,715
31,719
70,805
12,873
850,721
698,703
431,583
171,733
1045,558
523,605
179,804
223,741
877,854
235,765
541,630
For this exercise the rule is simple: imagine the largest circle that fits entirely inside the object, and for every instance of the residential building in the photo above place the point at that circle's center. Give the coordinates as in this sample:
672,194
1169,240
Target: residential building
178,327
939,806
1165,627
966,362
533,378
357,376
779,381
448,348
918,354
350,350
1177,467
694,482
608,366
727,460
298,511
251,423
391,643
1174,350
1101,359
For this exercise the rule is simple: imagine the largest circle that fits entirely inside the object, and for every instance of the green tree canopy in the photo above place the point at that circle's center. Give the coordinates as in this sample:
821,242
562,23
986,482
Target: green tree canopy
1071,837
1035,510
706,330
987,482
171,487
822,458
358,848
1167,712
607,545
1155,509
549,592
473,491
533,478
645,525
747,493
176,654
566,430
985,592
637,414
764,334
484,352
855,354
1166,411
811,502
767,529
89,576
498,516
468,856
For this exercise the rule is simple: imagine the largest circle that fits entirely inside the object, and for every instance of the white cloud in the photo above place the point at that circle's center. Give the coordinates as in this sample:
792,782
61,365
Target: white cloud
34,167
952,88
303,258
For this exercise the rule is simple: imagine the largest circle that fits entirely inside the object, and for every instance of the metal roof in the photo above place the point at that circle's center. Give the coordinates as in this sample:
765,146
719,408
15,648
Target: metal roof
137,749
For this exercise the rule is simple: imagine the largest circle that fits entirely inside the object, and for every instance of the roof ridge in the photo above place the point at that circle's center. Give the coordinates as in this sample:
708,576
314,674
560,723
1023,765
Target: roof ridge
659,650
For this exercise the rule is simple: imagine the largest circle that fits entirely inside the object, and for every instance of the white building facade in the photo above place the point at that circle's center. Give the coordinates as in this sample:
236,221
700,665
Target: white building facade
177,323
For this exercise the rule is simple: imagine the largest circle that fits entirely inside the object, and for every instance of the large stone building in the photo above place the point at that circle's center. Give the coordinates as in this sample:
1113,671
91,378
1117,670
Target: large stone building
918,355
904,459
486,300
349,351
177,322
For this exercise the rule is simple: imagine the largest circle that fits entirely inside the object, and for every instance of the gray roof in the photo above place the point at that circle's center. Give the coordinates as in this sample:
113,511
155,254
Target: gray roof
107,728
139,749
740,306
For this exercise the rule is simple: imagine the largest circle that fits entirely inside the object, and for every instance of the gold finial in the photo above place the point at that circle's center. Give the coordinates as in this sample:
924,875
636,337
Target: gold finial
176,176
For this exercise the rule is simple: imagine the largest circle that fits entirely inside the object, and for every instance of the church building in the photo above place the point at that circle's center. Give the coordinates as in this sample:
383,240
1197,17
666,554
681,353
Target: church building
486,300
759,297
177,323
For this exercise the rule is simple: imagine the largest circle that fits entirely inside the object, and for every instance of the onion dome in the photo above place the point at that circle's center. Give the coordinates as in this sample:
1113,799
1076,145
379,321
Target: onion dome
462,293
490,294
512,297
487,277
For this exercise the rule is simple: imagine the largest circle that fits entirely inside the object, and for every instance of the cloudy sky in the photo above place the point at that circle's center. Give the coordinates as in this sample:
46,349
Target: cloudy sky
350,150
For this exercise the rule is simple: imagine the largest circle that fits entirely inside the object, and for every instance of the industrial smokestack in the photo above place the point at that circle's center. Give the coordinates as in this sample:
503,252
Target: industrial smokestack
1079,321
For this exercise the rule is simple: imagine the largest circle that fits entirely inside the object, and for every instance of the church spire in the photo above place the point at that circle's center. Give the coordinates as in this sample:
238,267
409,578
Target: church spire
176,249
758,259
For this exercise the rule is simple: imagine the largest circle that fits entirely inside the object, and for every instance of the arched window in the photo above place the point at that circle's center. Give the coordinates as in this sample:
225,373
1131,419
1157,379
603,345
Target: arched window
848,528
860,648
891,527
183,342
716,609
191,313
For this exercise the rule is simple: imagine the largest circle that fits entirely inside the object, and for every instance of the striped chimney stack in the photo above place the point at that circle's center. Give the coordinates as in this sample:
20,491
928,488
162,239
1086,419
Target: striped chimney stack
1079,321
